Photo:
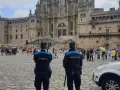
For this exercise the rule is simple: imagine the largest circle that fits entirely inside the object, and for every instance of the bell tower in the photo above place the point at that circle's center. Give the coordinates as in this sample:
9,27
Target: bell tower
119,5
85,8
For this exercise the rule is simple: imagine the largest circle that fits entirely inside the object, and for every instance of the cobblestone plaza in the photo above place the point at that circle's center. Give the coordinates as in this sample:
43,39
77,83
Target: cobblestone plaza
17,73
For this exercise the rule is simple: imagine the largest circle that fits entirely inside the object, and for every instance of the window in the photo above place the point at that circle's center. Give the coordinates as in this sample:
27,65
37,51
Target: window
16,37
52,27
89,32
93,18
96,18
97,41
16,30
93,27
21,36
37,21
107,31
119,30
107,34
21,30
111,17
38,33
107,17
5,26
32,21
7,38
26,30
62,11
107,37
71,33
10,36
115,16
118,36
118,16
100,28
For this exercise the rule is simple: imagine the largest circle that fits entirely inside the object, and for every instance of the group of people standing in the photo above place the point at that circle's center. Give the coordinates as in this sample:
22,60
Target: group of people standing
9,50
93,54
29,51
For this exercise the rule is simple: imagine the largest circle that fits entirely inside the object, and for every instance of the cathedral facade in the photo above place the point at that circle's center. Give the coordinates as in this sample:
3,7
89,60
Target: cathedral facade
58,21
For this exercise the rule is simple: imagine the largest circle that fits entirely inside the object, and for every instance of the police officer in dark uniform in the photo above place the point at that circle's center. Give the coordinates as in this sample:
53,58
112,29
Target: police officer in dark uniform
42,70
73,67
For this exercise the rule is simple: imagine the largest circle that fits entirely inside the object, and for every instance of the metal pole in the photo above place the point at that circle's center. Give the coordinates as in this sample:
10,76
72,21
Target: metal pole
65,80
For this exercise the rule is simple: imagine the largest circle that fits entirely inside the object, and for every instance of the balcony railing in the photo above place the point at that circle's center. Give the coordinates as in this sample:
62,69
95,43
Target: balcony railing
98,34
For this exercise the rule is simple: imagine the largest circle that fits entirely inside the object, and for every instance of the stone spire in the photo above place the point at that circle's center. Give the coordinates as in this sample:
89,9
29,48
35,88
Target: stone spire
30,14
119,5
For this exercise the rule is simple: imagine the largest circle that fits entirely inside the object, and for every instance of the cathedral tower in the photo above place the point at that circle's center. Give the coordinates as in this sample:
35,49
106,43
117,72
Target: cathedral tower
85,8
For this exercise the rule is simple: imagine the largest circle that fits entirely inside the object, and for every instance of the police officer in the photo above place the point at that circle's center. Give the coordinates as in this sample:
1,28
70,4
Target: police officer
42,70
73,64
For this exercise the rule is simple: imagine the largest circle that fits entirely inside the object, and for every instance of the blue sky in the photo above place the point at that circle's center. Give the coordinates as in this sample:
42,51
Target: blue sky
20,8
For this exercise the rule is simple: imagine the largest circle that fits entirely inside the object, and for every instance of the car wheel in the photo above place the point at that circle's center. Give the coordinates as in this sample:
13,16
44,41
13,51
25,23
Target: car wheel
110,83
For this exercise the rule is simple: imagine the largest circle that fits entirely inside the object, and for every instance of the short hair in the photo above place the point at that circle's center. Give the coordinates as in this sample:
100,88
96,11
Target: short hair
72,45
43,45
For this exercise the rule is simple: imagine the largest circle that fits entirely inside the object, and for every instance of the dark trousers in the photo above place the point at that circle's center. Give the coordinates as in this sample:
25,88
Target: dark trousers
91,57
42,78
98,56
73,77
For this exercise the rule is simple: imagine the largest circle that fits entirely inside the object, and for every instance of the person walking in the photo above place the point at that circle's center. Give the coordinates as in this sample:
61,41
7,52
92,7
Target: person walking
88,55
109,57
42,70
98,53
91,55
2,50
113,55
119,54
103,55
72,63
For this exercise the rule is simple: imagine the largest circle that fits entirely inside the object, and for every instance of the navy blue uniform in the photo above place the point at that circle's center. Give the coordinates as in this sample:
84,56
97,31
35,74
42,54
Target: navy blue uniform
42,70
73,64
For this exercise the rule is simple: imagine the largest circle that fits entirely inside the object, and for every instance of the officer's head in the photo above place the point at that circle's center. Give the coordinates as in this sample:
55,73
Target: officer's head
72,45
43,45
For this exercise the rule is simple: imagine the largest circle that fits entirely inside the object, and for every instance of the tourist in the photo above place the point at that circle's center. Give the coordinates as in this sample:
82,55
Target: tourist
103,55
116,54
27,51
98,53
113,54
73,64
88,55
109,57
91,55
31,51
119,54
2,50
42,70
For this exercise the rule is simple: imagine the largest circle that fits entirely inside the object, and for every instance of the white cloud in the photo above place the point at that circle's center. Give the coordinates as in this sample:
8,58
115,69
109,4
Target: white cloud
106,4
16,3
21,13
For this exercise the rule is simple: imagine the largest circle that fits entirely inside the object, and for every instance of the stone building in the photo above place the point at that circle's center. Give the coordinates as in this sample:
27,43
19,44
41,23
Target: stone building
58,21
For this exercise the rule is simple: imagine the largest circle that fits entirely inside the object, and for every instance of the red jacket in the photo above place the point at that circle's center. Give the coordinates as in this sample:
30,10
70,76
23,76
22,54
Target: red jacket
119,53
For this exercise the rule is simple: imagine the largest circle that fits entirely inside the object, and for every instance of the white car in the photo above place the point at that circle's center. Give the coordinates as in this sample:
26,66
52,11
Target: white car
107,76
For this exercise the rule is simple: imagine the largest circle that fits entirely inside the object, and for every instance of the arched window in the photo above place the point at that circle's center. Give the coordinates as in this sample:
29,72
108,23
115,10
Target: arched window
62,30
